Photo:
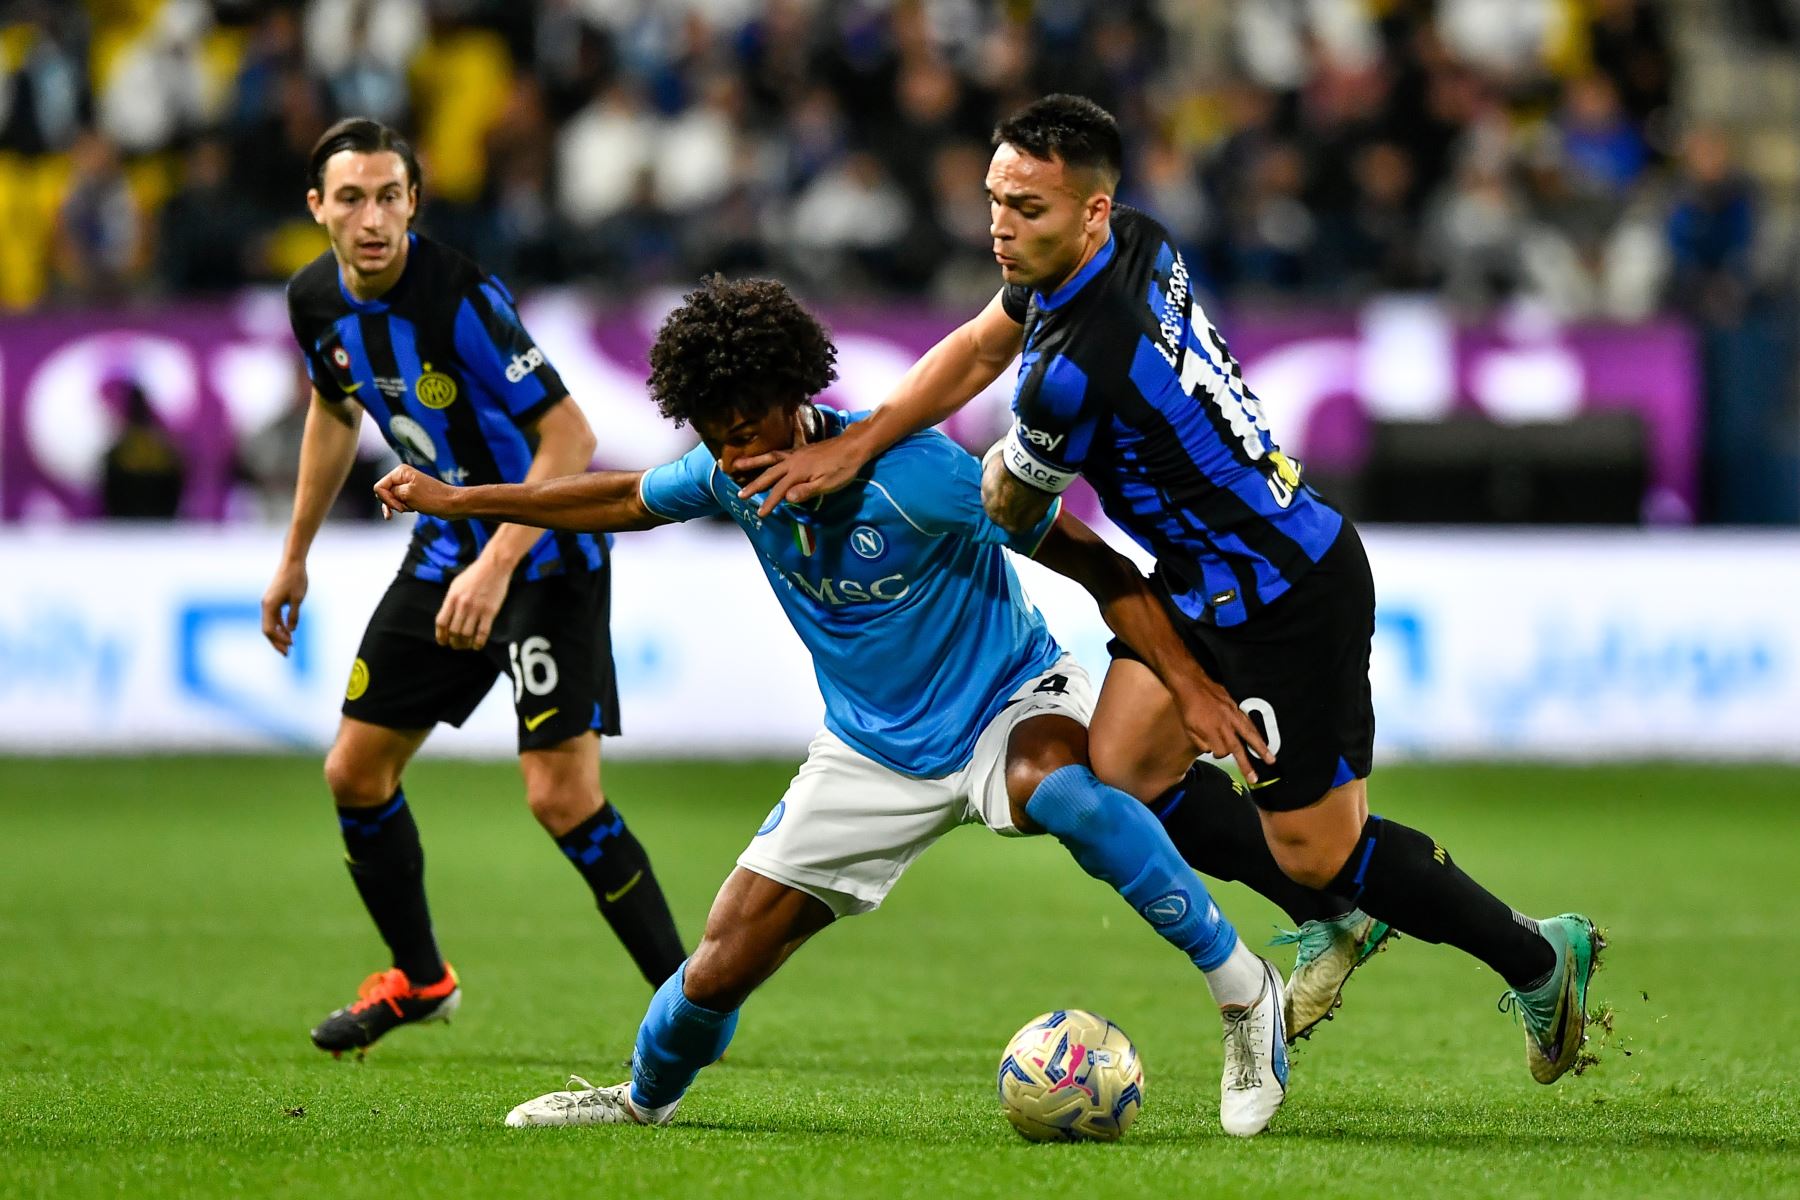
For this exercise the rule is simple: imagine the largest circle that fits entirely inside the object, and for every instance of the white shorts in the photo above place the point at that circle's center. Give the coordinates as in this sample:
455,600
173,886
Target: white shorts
849,827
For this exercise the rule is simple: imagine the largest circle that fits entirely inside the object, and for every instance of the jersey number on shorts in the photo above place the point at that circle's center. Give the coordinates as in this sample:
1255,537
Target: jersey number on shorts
1256,706
533,670
1056,685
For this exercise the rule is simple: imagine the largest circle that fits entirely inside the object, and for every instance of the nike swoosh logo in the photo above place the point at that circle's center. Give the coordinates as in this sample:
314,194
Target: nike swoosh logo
1263,783
351,388
629,884
531,723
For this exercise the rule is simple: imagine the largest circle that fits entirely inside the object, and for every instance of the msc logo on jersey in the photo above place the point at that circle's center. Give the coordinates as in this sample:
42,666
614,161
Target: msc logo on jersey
836,592
524,364
359,680
415,442
435,389
868,543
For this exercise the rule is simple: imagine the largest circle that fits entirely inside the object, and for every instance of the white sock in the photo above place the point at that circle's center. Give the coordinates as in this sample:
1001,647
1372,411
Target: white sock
1238,981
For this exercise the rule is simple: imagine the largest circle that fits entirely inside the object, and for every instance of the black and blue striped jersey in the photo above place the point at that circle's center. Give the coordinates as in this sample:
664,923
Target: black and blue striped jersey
1125,381
447,371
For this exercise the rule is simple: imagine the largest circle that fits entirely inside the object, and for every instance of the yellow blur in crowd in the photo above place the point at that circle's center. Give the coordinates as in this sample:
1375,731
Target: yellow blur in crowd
459,80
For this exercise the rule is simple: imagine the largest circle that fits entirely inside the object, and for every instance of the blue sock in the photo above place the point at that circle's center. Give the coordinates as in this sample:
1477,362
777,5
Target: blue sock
677,1038
1119,841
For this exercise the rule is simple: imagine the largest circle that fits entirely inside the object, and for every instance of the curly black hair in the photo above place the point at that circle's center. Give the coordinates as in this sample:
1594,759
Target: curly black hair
1072,128
738,346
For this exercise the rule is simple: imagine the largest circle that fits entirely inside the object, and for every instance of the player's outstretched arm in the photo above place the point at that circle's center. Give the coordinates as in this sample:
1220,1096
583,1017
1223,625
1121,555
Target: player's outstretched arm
951,374
1132,611
597,502
327,452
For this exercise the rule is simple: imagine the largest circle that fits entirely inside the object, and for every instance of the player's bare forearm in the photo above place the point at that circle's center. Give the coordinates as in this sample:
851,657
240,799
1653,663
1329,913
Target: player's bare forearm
596,502
1131,609
1127,603
327,452
1011,503
950,374
565,447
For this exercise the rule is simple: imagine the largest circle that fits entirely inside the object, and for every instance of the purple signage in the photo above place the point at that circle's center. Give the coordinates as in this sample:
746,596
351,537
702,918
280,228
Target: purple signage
220,377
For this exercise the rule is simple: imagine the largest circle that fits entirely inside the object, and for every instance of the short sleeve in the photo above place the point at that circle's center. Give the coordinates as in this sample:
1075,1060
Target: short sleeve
1057,414
495,349
327,362
1015,298
937,488
682,490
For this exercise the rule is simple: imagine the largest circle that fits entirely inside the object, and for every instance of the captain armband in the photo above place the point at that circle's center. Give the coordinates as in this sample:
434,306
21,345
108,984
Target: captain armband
1017,454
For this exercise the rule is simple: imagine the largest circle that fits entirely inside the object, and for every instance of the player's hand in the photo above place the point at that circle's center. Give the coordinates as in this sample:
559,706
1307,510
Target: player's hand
1219,727
281,605
408,489
466,617
803,472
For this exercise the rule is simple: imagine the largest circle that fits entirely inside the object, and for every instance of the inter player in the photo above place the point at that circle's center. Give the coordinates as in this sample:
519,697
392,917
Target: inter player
1125,381
947,701
408,331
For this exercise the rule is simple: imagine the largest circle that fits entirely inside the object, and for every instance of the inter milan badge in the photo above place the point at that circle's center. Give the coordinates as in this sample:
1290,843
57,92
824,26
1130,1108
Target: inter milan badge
868,543
435,389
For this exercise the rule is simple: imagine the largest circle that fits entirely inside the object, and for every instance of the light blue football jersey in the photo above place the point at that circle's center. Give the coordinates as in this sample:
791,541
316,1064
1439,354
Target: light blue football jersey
918,628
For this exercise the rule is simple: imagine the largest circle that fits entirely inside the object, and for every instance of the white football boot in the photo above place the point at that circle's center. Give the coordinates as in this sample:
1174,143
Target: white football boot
585,1104
1256,1061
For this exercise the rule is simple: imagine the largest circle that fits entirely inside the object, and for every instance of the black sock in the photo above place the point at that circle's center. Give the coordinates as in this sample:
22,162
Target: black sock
1401,876
615,866
1215,828
388,866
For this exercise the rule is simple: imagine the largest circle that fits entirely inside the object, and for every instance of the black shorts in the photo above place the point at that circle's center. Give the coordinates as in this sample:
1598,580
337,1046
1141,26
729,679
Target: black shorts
551,637
1300,669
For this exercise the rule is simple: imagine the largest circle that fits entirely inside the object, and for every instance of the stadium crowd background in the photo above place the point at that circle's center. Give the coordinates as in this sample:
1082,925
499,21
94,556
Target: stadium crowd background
1600,159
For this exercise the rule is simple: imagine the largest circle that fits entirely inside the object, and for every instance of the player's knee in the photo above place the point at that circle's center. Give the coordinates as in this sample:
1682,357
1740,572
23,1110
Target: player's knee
1309,859
357,783
559,805
1125,768
1039,748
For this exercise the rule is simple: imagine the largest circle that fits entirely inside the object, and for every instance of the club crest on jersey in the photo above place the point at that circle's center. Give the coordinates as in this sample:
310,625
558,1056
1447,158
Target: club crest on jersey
415,441
435,389
868,543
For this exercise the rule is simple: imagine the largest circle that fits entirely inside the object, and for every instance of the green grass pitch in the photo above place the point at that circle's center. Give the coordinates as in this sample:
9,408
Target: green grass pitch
170,928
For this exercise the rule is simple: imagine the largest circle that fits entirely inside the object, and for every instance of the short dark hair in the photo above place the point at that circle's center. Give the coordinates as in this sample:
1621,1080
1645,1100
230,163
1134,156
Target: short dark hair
739,346
363,136
1072,128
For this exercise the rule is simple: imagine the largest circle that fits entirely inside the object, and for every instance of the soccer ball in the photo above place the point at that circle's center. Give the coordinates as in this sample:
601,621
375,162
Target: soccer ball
1071,1076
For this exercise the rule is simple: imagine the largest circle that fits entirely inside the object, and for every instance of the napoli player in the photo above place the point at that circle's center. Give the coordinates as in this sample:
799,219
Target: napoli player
1123,380
947,701
394,325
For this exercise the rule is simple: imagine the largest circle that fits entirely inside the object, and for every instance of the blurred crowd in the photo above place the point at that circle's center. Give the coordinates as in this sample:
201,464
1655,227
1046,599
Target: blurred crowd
1302,150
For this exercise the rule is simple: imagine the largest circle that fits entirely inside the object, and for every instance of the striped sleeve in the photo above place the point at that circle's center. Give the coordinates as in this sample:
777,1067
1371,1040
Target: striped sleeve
497,353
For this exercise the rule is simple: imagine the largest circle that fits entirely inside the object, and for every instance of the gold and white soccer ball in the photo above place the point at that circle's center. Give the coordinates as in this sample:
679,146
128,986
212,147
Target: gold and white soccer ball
1071,1076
